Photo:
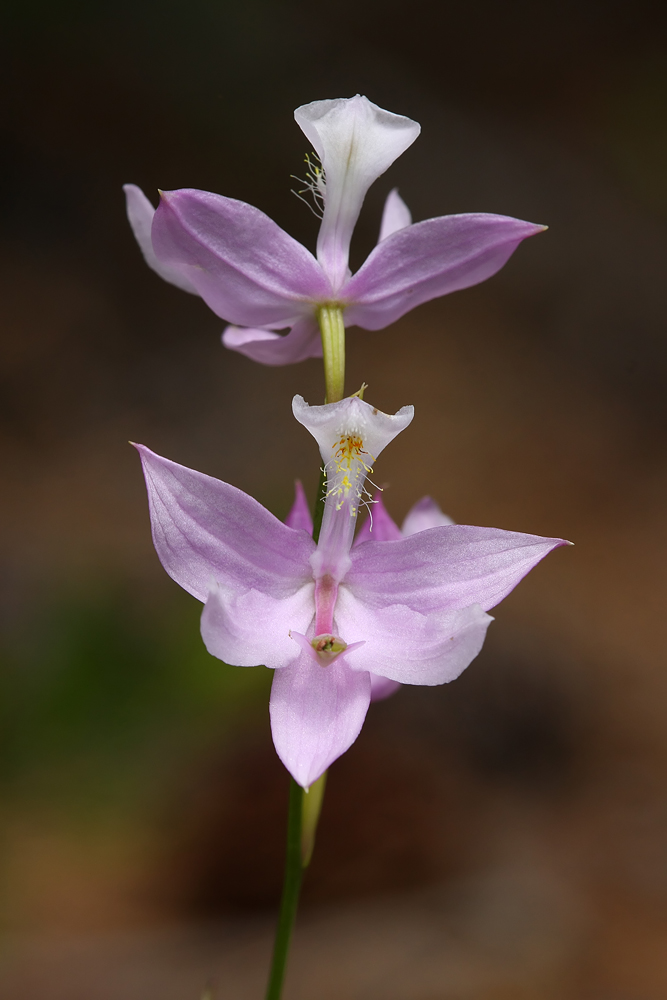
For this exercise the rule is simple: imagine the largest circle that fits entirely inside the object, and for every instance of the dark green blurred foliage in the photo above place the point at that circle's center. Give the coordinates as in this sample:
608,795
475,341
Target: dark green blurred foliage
103,699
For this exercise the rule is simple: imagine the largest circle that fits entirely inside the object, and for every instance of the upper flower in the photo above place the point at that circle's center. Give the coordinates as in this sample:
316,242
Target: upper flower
254,275
330,617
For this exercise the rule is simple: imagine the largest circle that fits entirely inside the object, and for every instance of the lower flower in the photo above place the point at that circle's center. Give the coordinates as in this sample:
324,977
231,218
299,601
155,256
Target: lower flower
338,622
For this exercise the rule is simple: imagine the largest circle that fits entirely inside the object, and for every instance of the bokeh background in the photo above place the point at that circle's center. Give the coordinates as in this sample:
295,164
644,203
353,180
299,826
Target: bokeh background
501,837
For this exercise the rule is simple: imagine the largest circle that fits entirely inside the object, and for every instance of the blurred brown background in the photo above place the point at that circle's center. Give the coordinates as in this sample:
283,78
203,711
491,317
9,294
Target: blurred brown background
502,837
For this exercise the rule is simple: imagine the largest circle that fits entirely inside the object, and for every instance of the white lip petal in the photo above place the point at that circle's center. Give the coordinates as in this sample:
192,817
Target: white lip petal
352,415
351,434
356,142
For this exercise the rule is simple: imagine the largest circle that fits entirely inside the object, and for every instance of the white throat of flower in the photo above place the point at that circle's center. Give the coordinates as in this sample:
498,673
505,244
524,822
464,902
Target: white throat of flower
347,471
351,434
356,141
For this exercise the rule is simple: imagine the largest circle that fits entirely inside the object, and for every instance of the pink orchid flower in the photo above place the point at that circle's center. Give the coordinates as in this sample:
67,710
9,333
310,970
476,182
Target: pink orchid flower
327,617
379,526
257,277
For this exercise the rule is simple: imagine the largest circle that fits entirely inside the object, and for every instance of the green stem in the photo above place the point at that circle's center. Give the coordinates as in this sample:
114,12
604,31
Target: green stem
290,898
332,329
304,812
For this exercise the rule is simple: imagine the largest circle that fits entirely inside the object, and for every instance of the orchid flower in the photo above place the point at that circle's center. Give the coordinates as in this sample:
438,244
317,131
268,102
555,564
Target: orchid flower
258,278
328,617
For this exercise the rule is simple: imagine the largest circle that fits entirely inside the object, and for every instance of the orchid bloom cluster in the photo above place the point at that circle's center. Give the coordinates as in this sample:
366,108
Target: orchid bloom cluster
341,620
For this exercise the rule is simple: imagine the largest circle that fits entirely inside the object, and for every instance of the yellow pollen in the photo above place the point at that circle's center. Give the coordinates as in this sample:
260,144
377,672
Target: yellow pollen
349,454
351,448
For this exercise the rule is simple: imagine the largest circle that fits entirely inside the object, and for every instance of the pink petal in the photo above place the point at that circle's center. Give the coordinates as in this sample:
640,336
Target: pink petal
378,526
206,531
244,266
396,215
406,646
430,259
270,348
422,515
299,516
356,142
445,568
140,214
316,714
382,687
246,628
